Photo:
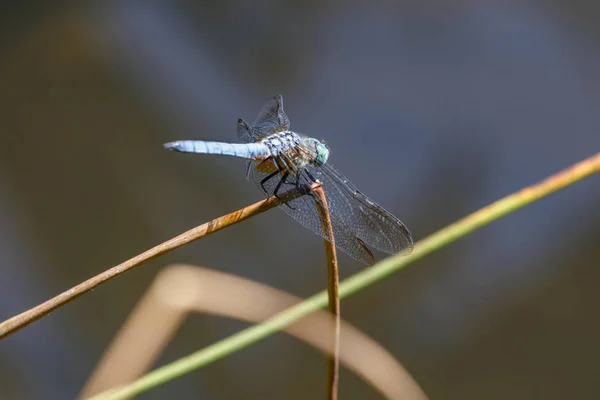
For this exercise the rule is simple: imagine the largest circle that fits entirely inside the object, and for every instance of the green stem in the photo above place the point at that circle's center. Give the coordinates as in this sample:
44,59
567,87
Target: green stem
358,281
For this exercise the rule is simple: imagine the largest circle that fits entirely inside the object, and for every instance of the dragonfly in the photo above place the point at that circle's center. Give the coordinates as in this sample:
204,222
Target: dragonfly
280,160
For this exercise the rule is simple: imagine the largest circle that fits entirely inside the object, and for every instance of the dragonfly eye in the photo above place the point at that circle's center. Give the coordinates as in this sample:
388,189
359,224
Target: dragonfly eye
321,152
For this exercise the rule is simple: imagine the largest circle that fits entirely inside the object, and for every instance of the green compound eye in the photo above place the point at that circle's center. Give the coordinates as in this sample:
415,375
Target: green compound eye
322,152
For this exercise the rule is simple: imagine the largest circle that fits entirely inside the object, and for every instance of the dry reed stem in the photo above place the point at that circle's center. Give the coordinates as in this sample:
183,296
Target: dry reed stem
17,322
333,283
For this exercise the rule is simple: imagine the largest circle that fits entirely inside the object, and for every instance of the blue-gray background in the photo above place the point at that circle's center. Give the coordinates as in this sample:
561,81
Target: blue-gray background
432,108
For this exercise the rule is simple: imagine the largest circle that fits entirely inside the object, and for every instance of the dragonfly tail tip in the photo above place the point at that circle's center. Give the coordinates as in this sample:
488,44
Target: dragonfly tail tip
172,146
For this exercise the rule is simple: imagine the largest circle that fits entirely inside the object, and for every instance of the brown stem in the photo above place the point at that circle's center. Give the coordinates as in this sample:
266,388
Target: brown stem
17,322
333,280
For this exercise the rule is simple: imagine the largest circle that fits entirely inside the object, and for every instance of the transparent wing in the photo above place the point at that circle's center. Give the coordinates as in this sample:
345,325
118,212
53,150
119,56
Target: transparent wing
272,118
366,219
303,210
273,111
245,132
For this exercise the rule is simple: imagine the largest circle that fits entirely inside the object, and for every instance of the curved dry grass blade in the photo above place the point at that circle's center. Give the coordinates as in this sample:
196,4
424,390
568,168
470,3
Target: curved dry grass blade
17,322
182,289
333,282
155,319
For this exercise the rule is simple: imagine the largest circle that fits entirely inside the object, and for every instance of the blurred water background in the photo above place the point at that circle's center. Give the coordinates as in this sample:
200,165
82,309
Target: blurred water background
432,108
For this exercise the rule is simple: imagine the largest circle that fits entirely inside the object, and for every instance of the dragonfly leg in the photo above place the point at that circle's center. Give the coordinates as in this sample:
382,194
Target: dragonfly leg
281,182
277,171
312,178
298,185
306,187
290,169
267,178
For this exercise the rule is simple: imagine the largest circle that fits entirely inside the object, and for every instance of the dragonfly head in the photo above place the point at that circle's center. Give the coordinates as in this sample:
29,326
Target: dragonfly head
319,150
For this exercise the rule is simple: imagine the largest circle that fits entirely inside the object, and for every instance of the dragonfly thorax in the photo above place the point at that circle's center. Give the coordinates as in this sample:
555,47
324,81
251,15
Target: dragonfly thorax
298,149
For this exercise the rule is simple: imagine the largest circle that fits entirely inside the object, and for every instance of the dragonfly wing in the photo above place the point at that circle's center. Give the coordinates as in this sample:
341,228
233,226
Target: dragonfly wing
303,209
245,132
366,219
272,118
248,134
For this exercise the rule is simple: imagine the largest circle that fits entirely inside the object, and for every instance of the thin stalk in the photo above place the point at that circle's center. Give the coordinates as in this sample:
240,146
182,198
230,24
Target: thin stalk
333,282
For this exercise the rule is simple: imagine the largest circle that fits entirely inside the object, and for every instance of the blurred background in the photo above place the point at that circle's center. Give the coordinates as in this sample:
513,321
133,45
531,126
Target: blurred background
432,108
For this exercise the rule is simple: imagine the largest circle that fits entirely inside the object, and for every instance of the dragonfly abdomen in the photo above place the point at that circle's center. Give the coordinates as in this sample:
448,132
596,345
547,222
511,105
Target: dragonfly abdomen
252,151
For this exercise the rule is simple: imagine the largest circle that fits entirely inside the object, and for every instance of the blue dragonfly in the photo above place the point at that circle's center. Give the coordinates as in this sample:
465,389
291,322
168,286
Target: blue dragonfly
280,160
